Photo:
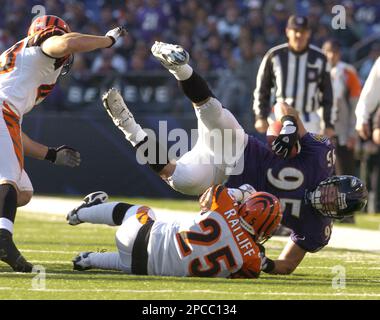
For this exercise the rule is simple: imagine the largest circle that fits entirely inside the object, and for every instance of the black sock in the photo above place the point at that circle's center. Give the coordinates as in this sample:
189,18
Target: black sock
8,202
154,162
196,88
119,212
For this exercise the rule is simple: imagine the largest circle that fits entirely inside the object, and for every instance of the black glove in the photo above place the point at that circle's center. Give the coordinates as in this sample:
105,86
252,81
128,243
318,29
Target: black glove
63,156
287,138
267,265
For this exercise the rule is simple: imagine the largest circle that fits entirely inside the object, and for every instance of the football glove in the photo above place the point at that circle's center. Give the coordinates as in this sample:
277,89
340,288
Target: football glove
288,137
267,265
64,156
115,34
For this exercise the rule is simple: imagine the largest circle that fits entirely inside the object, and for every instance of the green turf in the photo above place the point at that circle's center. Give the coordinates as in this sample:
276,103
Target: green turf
48,241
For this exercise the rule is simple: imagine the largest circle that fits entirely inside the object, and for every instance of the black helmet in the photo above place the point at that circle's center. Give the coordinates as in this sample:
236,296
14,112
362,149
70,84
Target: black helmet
339,196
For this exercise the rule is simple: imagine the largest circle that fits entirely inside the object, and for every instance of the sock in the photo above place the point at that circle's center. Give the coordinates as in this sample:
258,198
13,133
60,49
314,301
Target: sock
6,224
156,161
8,207
106,260
98,214
133,132
196,88
182,73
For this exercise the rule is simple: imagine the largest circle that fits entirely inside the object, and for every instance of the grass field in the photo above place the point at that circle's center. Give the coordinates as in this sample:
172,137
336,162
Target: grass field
46,240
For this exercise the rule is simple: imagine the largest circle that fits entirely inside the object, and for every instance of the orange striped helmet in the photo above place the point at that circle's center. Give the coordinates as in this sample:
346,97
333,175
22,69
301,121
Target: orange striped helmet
44,22
260,215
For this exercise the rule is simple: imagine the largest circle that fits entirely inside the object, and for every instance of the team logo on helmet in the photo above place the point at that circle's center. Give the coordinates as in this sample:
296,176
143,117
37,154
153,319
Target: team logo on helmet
260,215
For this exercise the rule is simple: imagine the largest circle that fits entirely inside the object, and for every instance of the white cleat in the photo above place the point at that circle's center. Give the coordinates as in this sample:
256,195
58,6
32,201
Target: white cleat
90,200
82,261
170,55
115,106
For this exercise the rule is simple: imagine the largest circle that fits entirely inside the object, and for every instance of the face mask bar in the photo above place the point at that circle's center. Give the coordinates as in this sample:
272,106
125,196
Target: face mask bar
328,199
338,196
67,65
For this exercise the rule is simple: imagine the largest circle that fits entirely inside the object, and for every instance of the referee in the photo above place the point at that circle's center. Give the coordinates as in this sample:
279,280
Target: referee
300,75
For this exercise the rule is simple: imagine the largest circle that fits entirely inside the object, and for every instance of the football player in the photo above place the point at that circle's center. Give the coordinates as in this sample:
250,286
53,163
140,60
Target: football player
223,240
28,72
309,193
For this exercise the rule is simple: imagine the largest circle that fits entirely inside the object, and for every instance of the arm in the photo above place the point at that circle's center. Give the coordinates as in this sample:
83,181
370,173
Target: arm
262,93
368,101
376,127
329,110
70,43
63,155
33,149
354,89
282,109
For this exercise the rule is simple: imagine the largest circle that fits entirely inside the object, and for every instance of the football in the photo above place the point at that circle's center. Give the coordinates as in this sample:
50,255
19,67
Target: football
273,132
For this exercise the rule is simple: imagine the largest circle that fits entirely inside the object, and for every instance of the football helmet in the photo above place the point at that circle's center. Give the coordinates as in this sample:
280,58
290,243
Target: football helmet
260,215
44,22
338,196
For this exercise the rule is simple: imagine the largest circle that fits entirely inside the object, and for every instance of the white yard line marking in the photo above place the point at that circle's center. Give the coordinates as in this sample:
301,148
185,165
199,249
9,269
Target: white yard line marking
294,294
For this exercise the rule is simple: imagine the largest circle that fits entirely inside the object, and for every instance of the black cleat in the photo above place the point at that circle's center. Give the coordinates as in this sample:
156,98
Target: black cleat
10,254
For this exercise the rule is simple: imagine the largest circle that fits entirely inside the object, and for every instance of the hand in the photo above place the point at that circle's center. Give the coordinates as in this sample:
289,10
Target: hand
364,131
115,34
287,138
376,136
261,125
267,265
351,143
329,132
64,156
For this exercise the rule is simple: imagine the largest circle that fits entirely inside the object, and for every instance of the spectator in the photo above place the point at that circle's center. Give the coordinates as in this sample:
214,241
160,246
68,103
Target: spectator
108,61
369,61
300,73
229,27
346,91
368,103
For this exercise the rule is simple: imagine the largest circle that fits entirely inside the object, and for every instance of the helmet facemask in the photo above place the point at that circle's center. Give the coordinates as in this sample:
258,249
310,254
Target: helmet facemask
338,196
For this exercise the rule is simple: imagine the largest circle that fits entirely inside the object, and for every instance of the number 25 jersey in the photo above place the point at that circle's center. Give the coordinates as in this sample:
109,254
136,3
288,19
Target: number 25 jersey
211,244
27,74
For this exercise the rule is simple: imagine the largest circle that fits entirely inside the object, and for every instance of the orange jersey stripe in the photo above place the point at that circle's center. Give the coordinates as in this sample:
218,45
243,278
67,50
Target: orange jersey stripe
12,122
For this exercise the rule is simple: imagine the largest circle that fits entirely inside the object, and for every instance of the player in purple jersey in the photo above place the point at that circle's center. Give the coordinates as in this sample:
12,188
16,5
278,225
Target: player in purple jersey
310,195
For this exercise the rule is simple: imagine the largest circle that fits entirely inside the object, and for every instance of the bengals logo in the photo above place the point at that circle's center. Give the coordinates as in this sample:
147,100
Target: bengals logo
142,214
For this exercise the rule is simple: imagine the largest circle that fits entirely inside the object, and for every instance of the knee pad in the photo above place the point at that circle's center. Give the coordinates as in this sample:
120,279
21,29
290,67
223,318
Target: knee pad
192,179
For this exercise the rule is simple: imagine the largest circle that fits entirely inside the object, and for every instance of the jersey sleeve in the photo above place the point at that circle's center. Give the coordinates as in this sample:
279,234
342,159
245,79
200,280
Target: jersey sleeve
251,267
321,149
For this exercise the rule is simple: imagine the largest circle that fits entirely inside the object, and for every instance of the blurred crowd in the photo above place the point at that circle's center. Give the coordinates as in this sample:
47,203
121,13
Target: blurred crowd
226,37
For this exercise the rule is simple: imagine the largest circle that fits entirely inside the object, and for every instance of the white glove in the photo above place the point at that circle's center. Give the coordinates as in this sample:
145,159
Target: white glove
115,34
64,156
242,193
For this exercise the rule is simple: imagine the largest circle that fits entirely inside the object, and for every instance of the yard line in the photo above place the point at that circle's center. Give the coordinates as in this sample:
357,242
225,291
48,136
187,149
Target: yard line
294,294
48,251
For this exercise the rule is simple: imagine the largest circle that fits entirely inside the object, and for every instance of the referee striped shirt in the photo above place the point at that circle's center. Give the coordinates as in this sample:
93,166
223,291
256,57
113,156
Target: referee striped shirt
302,80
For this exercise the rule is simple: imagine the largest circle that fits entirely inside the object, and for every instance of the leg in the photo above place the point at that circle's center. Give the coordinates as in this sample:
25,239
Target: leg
131,219
10,173
25,190
221,138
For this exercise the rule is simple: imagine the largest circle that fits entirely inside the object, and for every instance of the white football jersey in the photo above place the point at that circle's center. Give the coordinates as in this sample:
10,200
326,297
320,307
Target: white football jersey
212,244
27,75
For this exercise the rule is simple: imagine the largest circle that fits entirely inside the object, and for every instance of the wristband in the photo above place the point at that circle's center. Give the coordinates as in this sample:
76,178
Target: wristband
289,118
268,266
51,155
113,41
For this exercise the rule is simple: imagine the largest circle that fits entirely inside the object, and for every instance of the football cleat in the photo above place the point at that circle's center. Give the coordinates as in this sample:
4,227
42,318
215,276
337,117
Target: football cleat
90,200
82,261
170,55
10,254
115,106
